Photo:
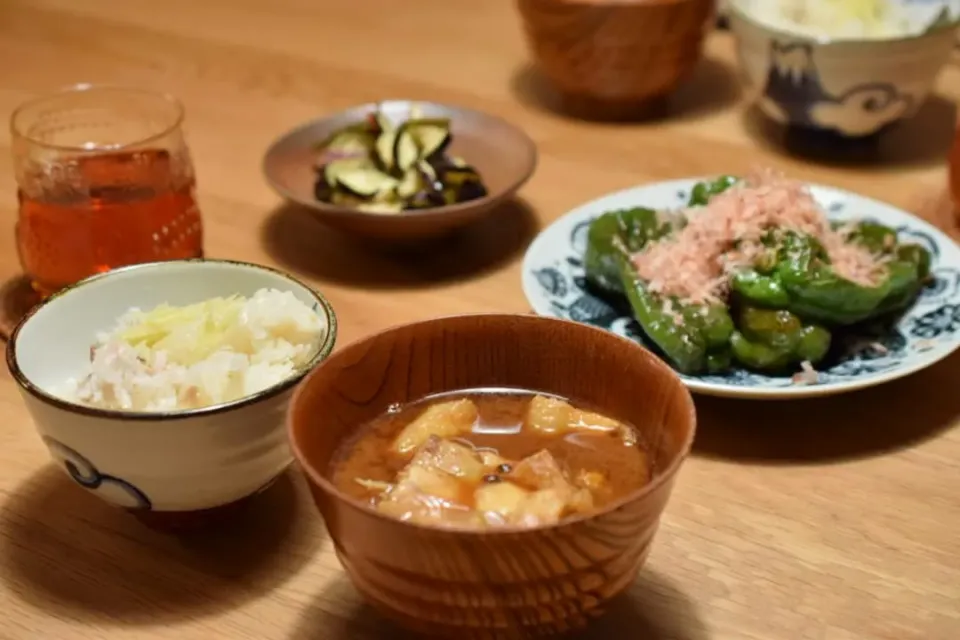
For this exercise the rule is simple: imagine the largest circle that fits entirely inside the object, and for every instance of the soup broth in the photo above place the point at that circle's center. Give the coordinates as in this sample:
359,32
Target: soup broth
491,458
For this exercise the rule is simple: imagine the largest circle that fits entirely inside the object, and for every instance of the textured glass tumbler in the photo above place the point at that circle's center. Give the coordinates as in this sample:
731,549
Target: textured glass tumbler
104,180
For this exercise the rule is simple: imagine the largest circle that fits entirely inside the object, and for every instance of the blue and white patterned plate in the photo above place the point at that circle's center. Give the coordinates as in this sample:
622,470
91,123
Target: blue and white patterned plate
554,285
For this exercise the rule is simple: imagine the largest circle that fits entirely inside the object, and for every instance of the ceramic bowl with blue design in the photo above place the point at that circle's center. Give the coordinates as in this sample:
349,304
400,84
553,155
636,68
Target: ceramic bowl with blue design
845,87
156,464
554,284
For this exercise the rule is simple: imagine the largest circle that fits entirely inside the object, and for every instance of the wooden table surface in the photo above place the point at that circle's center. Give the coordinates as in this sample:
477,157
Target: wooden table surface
832,520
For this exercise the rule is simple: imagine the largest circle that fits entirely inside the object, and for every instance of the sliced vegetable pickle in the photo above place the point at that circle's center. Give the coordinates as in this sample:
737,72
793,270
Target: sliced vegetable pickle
380,166
432,135
365,182
333,170
356,139
406,152
410,185
384,148
381,121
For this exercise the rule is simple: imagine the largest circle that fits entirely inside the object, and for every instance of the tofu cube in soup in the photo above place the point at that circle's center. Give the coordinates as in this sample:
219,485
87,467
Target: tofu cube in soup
445,420
501,500
539,471
553,415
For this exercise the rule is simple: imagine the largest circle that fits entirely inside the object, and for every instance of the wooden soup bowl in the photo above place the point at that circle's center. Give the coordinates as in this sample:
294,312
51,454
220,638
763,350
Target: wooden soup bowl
511,583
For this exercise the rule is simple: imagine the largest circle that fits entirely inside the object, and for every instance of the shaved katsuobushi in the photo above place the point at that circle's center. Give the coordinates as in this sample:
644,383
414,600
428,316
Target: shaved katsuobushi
752,273
489,459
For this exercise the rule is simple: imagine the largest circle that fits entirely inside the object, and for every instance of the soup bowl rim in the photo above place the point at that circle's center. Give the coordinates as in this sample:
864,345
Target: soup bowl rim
43,395
319,478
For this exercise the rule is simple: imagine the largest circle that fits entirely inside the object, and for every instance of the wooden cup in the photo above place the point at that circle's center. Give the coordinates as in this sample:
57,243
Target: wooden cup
616,58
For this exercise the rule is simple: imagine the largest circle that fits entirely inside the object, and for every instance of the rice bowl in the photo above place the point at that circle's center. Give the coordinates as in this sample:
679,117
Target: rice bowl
158,451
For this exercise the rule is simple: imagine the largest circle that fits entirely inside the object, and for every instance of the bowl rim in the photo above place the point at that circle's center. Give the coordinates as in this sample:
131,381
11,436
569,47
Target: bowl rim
326,347
530,151
735,11
319,478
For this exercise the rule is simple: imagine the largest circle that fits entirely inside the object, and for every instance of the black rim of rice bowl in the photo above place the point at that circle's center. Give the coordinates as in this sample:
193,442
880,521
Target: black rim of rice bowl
326,347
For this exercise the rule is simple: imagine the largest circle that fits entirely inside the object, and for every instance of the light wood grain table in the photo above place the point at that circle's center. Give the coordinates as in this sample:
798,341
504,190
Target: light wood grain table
820,520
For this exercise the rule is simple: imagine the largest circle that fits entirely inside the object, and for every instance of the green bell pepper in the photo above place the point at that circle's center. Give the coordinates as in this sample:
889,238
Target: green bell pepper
772,340
909,266
703,191
695,338
804,283
611,236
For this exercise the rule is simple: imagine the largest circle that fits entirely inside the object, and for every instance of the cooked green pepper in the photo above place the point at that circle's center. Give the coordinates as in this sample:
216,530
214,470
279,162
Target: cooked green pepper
681,343
756,355
804,283
771,339
712,321
817,292
759,289
918,255
703,191
877,237
909,265
612,234
720,361
695,338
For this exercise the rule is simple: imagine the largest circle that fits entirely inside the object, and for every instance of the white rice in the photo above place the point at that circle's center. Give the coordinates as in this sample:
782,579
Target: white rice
275,335
860,19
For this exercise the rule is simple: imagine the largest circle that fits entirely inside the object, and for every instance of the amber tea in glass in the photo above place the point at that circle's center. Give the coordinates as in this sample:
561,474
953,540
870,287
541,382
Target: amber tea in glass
104,180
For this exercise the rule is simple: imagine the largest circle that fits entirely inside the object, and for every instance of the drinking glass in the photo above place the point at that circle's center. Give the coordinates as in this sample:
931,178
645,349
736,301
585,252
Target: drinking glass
104,180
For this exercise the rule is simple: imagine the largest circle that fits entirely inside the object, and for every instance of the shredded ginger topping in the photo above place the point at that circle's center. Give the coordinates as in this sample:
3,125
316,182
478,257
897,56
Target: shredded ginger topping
695,263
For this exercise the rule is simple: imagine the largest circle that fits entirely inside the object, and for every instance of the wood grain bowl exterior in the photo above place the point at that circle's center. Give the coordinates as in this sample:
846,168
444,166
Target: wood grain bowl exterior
503,154
509,584
615,58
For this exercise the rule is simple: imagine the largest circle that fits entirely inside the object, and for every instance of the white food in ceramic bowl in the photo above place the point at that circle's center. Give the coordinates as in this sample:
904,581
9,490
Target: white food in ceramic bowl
850,19
177,459
838,83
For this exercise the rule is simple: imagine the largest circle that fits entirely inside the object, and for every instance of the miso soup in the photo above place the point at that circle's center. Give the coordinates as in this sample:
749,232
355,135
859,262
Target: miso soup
484,459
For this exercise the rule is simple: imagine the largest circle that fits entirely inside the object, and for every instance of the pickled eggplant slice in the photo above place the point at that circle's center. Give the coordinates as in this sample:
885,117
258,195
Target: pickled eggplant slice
432,135
383,166
427,171
351,140
322,190
406,151
365,183
384,149
381,121
459,176
411,184
336,168
472,190
426,199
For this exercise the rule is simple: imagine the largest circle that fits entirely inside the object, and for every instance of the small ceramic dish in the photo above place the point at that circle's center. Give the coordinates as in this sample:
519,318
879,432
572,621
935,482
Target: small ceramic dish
504,156
851,88
157,464
510,582
554,285
616,58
